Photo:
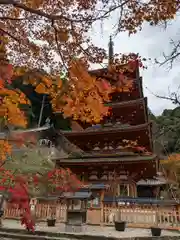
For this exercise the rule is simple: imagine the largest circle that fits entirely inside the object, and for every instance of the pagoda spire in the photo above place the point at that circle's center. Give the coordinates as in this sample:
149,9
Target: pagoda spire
111,50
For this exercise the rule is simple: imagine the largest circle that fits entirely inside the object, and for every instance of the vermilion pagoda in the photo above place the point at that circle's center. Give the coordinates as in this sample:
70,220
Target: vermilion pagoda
119,149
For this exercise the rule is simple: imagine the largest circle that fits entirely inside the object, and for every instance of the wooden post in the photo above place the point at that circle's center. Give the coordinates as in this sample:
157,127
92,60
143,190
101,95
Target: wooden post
67,207
128,190
102,207
131,186
135,190
33,203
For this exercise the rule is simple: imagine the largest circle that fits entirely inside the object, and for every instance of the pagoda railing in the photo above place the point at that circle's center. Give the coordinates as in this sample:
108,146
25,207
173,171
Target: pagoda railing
135,216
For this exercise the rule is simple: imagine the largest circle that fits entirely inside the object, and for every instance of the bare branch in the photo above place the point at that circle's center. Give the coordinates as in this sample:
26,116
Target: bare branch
112,9
57,44
175,53
174,97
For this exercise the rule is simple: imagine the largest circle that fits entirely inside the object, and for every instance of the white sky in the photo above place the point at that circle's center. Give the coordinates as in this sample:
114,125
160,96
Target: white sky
151,42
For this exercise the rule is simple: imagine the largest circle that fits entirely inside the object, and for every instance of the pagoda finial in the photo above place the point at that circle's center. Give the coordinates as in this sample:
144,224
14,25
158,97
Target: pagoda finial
111,50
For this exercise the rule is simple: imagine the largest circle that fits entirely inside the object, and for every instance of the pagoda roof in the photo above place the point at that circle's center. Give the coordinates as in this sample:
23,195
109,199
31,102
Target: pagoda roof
133,112
108,159
116,128
87,155
143,166
103,72
98,137
127,103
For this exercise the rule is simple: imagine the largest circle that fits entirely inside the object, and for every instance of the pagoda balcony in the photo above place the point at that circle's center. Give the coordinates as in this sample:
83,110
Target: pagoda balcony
133,112
102,168
112,139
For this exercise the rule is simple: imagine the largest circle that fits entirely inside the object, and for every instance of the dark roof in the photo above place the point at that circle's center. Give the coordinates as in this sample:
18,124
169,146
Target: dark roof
98,131
77,195
127,103
98,159
141,201
98,155
69,195
95,186
103,70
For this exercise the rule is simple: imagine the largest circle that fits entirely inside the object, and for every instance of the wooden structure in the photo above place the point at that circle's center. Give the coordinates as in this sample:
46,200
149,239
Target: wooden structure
108,151
142,214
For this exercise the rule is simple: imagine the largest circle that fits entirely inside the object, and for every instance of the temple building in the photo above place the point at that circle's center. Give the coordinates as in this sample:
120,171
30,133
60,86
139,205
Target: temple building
115,157
117,154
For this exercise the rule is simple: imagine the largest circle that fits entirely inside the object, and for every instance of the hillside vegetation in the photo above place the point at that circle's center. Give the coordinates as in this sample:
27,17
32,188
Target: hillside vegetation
168,129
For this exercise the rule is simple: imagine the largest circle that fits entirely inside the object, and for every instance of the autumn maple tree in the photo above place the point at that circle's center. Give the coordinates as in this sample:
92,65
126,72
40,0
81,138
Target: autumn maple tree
12,115
19,188
53,37
48,35
171,166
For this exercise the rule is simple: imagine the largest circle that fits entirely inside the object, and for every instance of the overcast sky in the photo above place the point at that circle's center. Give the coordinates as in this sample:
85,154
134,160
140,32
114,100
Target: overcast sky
149,43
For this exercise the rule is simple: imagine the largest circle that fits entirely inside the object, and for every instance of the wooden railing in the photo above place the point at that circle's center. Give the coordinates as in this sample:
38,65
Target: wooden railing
42,212
12,211
142,216
133,215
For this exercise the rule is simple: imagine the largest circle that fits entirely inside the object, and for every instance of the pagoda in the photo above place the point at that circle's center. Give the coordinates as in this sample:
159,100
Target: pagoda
120,148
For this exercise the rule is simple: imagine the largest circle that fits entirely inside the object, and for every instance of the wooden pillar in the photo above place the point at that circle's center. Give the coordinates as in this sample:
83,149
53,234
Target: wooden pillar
102,207
69,206
135,190
129,190
132,189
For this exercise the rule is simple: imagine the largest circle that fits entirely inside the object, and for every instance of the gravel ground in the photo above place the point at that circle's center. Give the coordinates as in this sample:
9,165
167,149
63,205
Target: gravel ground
92,230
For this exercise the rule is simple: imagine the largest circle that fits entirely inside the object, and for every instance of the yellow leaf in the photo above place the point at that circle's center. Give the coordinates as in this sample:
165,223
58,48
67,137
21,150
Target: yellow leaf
41,88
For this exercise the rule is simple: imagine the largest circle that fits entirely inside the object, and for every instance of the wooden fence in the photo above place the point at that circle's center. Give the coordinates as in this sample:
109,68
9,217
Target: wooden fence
134,215
143,216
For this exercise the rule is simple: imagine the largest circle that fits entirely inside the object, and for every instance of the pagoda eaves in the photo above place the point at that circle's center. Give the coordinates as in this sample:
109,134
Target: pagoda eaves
133,112
104,137
100,169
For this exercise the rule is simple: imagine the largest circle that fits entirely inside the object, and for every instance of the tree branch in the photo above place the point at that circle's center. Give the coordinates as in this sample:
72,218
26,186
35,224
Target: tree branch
57,44
12,19
175,53
31,10
112,9
58,17
174,97
10,35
